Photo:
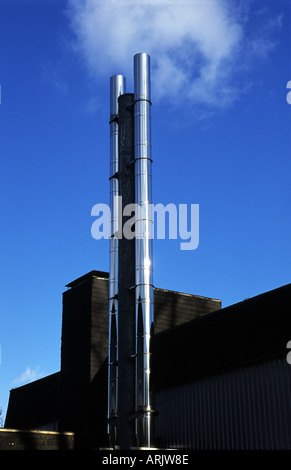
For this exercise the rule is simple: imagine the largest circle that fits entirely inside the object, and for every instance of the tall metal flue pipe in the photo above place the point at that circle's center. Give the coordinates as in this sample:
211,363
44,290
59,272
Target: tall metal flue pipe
144,313
117,88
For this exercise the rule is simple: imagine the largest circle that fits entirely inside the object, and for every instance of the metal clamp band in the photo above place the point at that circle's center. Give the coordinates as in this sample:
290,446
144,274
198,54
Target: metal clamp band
136,101
140,158
114,176
114,119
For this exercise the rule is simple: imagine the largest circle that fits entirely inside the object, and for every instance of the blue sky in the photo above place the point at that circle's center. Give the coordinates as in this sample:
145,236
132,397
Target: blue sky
220,137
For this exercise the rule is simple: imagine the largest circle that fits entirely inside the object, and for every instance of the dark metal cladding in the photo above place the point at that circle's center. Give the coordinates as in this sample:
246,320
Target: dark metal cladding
244,409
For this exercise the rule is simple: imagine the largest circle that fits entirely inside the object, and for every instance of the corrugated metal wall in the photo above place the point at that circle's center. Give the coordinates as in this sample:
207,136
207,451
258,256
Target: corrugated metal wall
249,408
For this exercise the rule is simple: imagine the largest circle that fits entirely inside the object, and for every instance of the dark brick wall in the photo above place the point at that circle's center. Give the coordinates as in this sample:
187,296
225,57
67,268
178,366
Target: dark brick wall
75,346
99,324
12,439
173,308
84,348
75,357
85,327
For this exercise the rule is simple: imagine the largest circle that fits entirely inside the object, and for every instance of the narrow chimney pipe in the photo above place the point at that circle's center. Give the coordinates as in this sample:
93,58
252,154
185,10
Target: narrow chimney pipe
144,311
117,88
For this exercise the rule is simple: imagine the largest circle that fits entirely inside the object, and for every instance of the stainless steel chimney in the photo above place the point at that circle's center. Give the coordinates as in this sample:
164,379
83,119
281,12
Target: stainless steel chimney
117,88
144,311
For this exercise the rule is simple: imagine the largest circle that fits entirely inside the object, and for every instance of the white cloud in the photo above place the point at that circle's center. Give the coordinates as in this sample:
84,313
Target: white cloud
29,375
195,45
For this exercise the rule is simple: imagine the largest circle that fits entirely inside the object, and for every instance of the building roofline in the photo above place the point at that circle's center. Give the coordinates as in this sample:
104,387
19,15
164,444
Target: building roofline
80,280
105,275
233,307
186,294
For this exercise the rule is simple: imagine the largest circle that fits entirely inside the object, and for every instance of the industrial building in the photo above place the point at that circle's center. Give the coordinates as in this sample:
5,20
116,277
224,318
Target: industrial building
143,366
221,378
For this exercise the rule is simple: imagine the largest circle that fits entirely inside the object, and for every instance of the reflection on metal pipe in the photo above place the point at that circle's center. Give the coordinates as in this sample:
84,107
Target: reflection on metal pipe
143,249
117,88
